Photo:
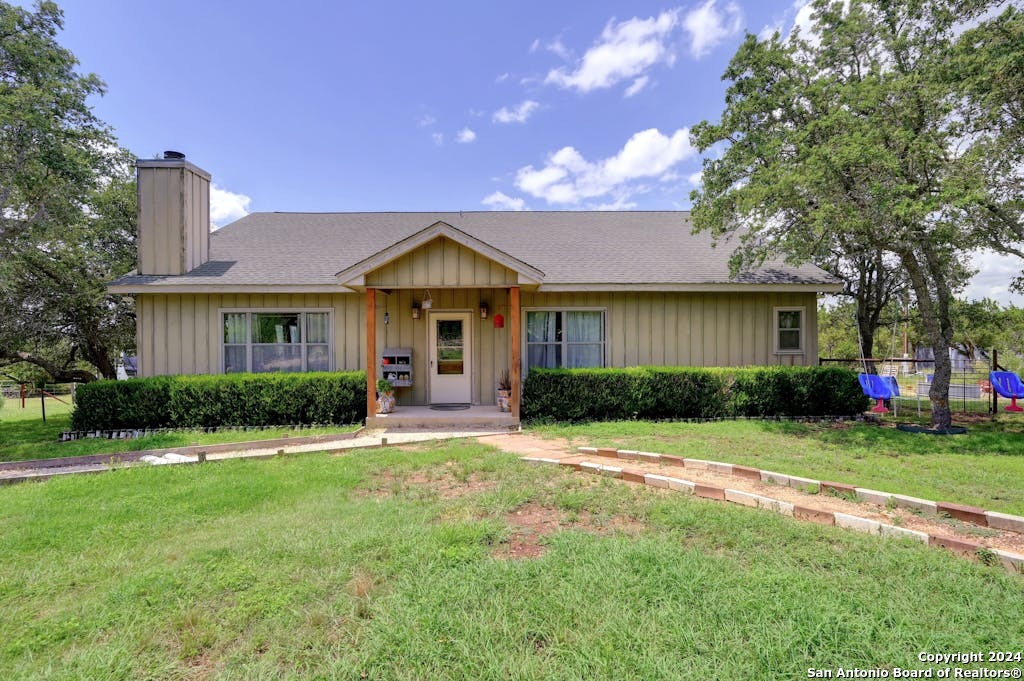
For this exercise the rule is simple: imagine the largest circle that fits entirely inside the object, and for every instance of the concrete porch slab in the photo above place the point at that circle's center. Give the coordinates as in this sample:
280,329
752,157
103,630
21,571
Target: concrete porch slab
476,417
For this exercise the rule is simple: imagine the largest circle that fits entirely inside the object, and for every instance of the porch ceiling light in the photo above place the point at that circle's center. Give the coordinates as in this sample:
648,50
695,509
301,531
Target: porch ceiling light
428,302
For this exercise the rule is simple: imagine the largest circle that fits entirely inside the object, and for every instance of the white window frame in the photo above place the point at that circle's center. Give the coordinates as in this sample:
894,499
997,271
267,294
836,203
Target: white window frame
803,330
525,358
249,311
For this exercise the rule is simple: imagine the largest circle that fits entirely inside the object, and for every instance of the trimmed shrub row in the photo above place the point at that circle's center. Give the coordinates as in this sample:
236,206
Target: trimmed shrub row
690,392
226,400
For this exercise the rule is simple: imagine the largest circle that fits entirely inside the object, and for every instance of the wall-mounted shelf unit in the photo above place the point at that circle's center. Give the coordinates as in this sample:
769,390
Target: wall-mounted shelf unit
396,366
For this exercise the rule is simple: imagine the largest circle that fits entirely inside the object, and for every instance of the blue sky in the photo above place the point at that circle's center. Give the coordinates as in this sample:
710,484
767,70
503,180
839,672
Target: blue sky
330,106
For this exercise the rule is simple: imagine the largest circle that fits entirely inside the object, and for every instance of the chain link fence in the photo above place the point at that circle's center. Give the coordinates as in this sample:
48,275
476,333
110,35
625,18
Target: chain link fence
970,391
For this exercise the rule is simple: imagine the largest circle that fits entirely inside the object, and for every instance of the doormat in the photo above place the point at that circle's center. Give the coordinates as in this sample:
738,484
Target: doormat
449,407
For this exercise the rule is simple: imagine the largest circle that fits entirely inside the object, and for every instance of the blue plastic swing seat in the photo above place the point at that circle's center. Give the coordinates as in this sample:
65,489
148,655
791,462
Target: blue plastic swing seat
1007,384
879,387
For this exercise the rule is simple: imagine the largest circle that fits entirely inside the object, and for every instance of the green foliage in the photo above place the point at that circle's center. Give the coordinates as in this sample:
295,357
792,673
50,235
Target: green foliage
224,400
859,139
689,392
67,207
384,386
51,144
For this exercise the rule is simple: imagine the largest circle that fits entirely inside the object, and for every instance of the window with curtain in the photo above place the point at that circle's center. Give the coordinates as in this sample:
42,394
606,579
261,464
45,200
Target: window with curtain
262,342
789,329
565,338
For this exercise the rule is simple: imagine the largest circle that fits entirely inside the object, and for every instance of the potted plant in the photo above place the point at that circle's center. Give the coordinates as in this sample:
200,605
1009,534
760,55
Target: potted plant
504,388
385,396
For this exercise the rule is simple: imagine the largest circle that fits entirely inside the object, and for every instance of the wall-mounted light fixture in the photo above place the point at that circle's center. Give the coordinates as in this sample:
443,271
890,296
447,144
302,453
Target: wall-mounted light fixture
483,310
415,310
428,302
387,318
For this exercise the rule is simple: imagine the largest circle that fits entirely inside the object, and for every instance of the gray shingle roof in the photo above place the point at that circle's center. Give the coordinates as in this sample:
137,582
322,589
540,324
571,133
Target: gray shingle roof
570,247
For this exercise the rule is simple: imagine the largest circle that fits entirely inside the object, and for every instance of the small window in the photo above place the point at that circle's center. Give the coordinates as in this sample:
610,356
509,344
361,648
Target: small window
276,341
789,330
565,338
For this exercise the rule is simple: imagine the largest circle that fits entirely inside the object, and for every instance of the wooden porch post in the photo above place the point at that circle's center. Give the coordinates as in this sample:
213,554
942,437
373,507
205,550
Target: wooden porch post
371,352
515,370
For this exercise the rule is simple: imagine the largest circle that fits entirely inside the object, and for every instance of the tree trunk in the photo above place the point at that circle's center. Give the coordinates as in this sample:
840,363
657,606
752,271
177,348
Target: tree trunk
933,301
867,339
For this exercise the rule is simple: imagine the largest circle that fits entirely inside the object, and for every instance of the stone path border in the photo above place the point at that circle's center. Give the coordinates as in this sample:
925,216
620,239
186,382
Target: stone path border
1013,562
968,514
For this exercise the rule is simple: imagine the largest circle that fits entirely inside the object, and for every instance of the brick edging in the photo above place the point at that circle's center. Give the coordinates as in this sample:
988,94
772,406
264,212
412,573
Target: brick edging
962,512
1013,562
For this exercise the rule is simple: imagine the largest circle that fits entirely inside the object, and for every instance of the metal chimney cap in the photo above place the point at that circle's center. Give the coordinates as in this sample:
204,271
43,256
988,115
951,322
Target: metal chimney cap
177,155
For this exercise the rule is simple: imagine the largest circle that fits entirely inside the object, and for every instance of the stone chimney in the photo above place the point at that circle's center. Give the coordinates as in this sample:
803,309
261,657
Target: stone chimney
174,215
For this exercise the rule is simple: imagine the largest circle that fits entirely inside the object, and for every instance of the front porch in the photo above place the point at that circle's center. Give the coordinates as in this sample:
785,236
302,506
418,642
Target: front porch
443,324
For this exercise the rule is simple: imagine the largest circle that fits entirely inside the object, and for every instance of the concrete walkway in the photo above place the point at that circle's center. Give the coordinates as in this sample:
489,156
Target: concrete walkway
365,440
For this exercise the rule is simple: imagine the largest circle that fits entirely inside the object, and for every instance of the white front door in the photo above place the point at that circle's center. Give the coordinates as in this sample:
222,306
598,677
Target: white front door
450,358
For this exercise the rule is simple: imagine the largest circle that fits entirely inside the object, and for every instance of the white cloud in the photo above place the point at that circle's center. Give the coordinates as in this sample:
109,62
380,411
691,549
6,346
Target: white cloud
501,201
425,121
226,206
803,19
438,138
465,136
520,114
708,26
638,85
535,45
696,178
558,48
769,30
995,273
625,51
568,178
502,78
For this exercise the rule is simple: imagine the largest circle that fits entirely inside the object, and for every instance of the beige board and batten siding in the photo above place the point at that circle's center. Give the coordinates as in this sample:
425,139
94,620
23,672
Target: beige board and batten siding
690,329
442,262
174,224
183,333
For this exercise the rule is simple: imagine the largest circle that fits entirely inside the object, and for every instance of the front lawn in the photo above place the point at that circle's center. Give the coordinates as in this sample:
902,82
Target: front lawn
23,435
392,564
983,468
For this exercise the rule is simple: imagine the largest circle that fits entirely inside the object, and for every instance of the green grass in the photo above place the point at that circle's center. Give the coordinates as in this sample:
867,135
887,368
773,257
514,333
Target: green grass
287,568
983,468
23,435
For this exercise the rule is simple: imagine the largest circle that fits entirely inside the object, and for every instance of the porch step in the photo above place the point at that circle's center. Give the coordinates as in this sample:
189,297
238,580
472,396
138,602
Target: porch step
486,417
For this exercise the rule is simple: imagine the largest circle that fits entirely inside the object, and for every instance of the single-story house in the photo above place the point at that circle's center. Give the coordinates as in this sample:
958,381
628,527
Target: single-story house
442,303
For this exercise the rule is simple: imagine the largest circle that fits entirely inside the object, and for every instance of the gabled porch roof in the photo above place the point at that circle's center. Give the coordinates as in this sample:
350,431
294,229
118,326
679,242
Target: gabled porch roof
356,276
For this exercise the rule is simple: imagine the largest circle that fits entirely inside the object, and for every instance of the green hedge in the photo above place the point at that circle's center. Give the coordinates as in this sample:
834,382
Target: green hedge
690,392
227,400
